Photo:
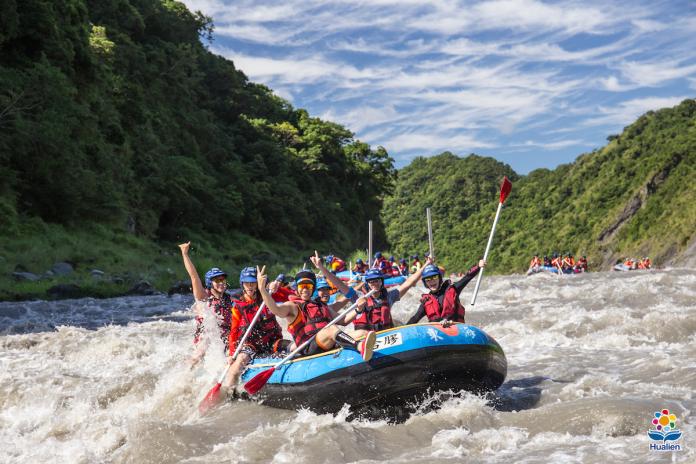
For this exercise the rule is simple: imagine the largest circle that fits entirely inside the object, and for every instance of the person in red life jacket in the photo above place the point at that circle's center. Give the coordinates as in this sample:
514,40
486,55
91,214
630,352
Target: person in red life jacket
360,266
266,336
568,262
381,264
415,263
403,267
645,263
581,265
442,303
535,261
335,264
534,265
307,317
280,290
213,296
556,262
324,293
547,261
374,312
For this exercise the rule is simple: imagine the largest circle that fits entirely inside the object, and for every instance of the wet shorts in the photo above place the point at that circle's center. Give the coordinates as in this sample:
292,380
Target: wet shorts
313,348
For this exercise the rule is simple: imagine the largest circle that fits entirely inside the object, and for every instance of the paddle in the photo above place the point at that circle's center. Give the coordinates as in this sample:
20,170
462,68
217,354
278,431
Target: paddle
257,382
213,396
505,188
369,245
430,234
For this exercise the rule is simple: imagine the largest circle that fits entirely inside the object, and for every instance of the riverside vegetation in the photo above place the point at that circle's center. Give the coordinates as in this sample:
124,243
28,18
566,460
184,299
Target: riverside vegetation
122,135
633,197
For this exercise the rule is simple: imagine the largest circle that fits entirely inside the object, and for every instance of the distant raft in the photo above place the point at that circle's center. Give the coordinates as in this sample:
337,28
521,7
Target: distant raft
409,363
553,270
388,281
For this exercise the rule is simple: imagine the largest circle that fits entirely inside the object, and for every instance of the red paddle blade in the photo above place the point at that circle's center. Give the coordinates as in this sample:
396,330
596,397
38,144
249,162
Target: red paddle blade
211,400
505,188
258,381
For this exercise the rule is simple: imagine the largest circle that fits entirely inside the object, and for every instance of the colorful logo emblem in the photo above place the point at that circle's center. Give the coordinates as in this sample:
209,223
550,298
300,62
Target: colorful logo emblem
664,430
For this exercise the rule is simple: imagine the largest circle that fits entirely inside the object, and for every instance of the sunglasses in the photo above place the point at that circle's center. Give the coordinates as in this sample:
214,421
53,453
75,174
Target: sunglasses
432,279
220,280
306,286
372,281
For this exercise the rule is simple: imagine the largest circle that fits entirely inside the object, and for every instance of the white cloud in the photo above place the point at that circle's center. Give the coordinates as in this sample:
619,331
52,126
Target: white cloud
628,111
447,74
556,145
433,143
654,73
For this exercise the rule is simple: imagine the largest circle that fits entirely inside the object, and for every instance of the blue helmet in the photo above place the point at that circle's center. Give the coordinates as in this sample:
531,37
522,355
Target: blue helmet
431,270
414,257
213,273
248,274
321,283
358,261
373,274
378,255
281,278
402,260
328,259
391,258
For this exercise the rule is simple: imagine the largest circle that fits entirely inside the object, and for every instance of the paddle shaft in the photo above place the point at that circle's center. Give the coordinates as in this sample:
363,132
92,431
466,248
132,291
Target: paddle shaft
430,234
369,244
485,254
334,321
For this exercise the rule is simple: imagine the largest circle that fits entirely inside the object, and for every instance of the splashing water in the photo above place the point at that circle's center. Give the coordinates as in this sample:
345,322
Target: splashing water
590,358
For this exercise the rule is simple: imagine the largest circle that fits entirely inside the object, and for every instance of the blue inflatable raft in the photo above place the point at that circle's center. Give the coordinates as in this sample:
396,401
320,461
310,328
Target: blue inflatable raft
409,363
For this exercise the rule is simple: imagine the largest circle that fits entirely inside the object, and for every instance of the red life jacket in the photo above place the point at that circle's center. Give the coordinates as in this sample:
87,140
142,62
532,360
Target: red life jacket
341,265
312,316
375,316
395,272
360,268
266,331
447,306
382,266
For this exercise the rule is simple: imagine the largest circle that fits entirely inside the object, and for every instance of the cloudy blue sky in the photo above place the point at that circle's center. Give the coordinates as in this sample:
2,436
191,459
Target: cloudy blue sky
531,83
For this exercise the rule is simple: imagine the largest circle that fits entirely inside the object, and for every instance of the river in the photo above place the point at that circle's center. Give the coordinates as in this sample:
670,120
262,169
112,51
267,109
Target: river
591,358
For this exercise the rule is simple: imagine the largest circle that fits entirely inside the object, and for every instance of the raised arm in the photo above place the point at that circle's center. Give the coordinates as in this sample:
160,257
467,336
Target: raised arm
196,285
287,309
461,283
333,280
413,279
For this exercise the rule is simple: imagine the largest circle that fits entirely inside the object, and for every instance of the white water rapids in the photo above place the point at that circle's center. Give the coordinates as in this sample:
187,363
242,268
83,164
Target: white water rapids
591,358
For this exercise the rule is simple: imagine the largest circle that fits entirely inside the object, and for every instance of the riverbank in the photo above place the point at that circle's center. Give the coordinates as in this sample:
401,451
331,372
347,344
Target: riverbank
48,261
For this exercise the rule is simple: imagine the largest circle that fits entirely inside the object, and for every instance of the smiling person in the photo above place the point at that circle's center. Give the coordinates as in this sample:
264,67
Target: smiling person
214,296
266,336
307,317
442,303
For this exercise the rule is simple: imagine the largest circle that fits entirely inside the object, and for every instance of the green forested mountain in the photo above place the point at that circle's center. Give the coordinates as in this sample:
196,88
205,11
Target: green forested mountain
634,197
114,112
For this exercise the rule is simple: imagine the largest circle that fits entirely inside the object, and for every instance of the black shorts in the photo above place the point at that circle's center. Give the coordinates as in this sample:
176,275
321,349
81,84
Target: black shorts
279,347
313,348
